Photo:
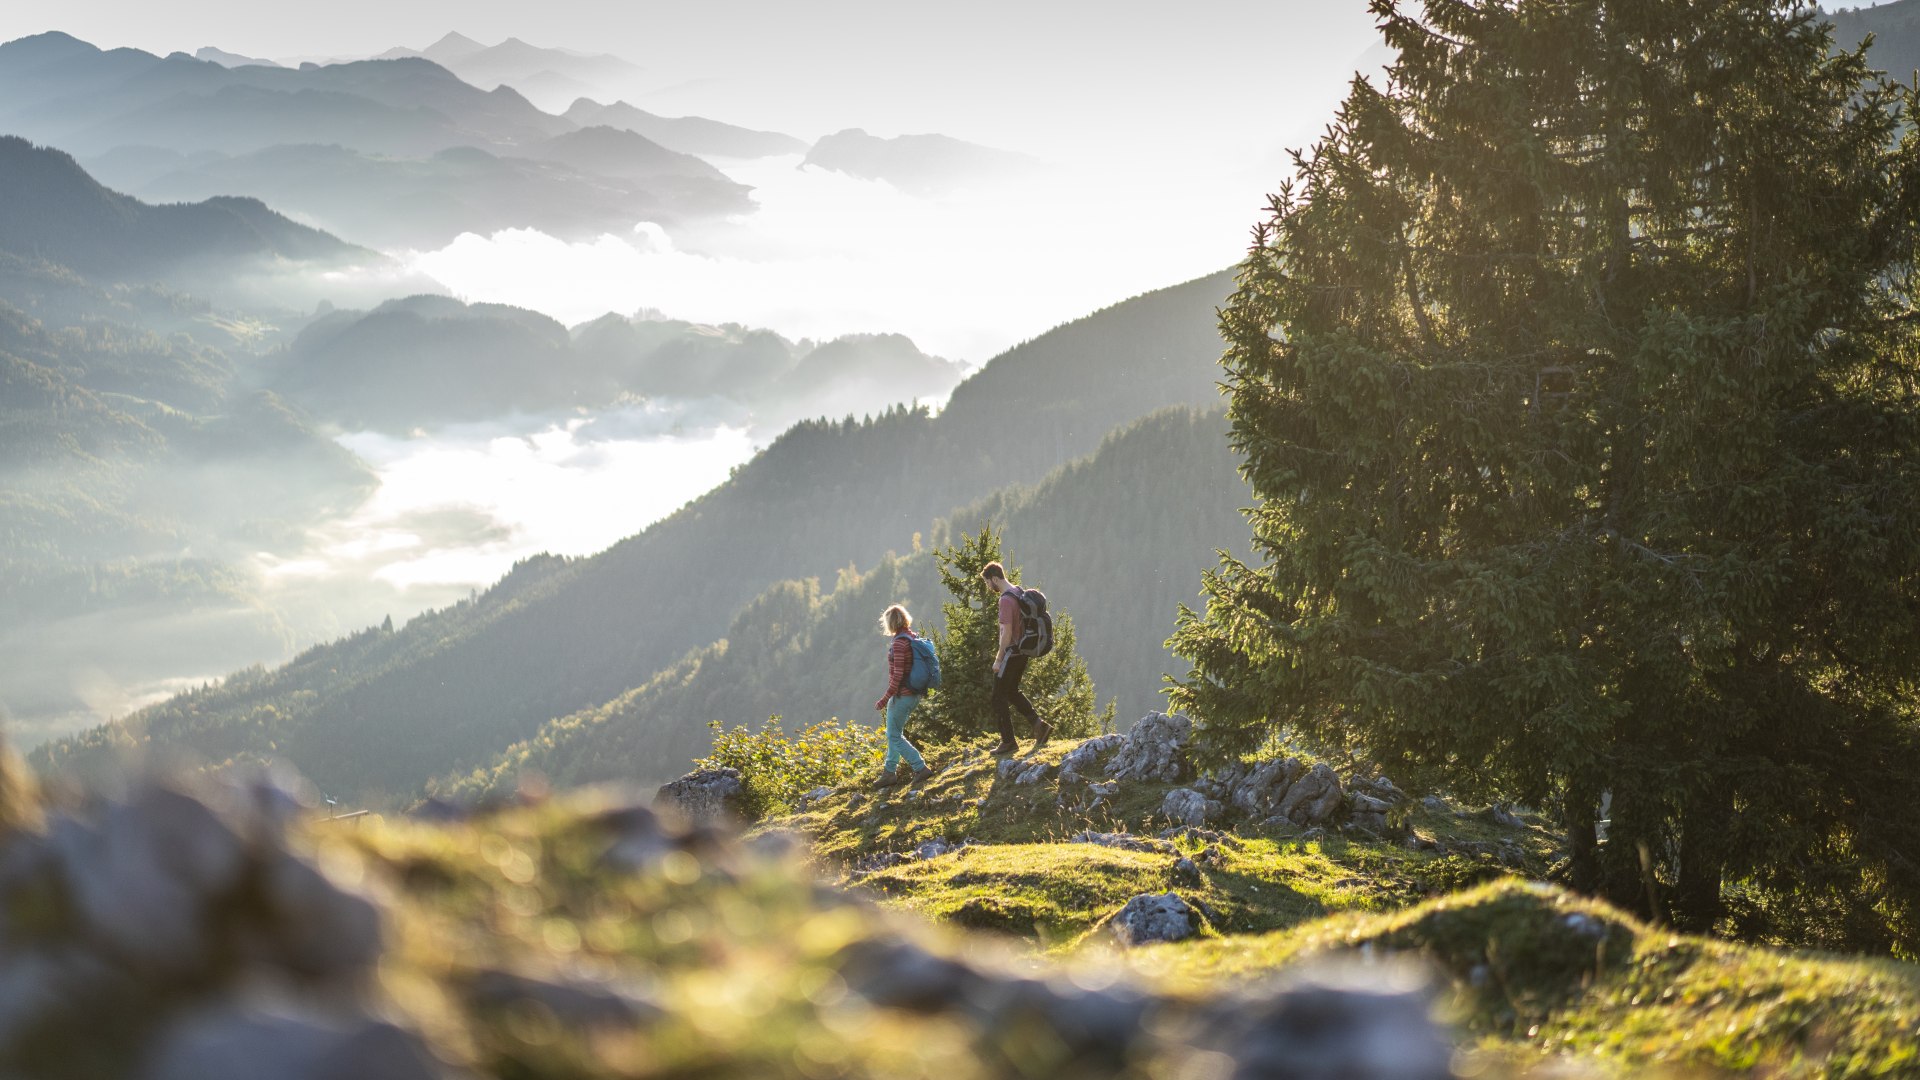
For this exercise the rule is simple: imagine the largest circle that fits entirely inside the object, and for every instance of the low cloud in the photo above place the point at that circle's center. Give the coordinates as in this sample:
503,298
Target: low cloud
458,508
964,275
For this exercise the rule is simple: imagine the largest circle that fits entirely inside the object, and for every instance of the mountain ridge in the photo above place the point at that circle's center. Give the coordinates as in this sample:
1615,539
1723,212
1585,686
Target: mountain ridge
55,210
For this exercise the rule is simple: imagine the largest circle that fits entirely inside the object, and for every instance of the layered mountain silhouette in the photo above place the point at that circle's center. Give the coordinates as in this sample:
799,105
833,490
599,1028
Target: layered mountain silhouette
920,164
397,152
549,77
398,202
54,211
227,59
62,91
687,134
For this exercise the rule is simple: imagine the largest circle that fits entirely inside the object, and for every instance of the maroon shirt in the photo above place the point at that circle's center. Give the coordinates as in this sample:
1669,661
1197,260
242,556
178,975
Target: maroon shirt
1010,617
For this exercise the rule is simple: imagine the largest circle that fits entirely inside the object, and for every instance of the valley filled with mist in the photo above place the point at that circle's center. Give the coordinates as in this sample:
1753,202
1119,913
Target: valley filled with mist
305,345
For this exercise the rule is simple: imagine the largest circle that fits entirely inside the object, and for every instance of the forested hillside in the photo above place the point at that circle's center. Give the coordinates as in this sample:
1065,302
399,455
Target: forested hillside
54,211
1169,479
137,470
454,690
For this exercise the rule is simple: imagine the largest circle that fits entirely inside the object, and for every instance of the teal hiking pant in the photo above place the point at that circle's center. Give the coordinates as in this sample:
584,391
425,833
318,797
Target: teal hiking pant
898,748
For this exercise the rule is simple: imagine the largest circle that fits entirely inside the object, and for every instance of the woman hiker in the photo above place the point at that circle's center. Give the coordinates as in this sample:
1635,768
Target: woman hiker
899,701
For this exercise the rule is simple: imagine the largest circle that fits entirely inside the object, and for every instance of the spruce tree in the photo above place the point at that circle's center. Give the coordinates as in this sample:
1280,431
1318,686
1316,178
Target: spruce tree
1057,683
1575,373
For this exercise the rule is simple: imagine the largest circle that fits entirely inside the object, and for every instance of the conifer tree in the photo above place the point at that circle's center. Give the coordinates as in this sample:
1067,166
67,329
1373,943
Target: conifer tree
1575,372
1057,683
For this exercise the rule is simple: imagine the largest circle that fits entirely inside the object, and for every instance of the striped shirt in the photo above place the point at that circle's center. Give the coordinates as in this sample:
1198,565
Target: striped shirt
899,666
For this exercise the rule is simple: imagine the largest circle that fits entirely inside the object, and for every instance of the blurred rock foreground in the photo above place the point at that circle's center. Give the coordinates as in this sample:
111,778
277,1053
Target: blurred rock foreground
230,931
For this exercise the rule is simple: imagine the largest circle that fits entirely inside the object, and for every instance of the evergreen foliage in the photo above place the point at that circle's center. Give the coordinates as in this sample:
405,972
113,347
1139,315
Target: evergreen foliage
1056,683
1575,376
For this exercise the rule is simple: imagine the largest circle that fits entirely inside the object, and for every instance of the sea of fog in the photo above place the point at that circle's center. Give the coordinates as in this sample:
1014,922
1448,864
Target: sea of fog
964,274
460,506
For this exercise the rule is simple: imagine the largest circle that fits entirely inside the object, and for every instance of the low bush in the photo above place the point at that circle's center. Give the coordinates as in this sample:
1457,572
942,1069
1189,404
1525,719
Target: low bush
776,770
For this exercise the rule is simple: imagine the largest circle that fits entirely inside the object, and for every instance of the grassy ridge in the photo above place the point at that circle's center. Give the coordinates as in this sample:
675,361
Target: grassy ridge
1531,971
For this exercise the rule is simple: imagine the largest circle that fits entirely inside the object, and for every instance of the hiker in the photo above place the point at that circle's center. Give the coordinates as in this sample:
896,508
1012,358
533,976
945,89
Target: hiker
900,700
1010,665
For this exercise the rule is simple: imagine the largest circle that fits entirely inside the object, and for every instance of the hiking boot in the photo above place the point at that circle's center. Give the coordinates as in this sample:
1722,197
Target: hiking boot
889,780
1007,746
920,775
1042,731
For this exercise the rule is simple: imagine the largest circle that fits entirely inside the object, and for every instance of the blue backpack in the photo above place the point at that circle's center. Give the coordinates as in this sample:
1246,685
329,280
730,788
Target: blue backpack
925,673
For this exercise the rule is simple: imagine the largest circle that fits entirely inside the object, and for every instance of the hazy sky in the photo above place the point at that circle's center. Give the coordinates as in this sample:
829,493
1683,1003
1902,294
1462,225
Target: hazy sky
1035,76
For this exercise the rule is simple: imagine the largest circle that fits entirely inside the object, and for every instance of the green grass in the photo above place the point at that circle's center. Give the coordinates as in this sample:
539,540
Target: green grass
1532,973
1024,876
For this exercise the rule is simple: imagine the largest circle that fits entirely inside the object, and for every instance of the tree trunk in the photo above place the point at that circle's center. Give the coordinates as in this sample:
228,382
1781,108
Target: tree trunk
1582,842
1703,832
1631,859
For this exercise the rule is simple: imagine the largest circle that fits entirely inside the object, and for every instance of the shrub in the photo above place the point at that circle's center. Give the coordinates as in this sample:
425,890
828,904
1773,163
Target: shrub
777,770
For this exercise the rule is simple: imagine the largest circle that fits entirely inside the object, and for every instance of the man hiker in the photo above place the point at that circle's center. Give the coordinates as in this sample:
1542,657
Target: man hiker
1009,666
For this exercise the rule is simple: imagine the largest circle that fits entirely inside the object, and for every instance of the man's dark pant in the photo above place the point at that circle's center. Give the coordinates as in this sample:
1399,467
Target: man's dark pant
1007,696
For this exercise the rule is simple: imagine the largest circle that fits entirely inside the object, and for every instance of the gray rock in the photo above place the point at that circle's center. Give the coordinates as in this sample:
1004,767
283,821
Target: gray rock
1081,760
1154,917
934,848
1124,841
816,795
1373,823
236,1044
1155,749
880,860
312,926
1261,789
1363,803
898,974
142,882
1186,871
1436,804
1585,925
638,838
1500,815
575,1002
1313,797
1189,807
706,796
1350,1026
1033,773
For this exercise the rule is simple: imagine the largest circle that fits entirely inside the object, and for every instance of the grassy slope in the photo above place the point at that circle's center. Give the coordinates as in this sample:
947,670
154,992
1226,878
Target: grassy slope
744,970
1531,969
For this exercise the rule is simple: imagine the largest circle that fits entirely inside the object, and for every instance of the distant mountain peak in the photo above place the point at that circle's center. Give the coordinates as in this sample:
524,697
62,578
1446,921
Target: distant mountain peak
453,46
224,58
